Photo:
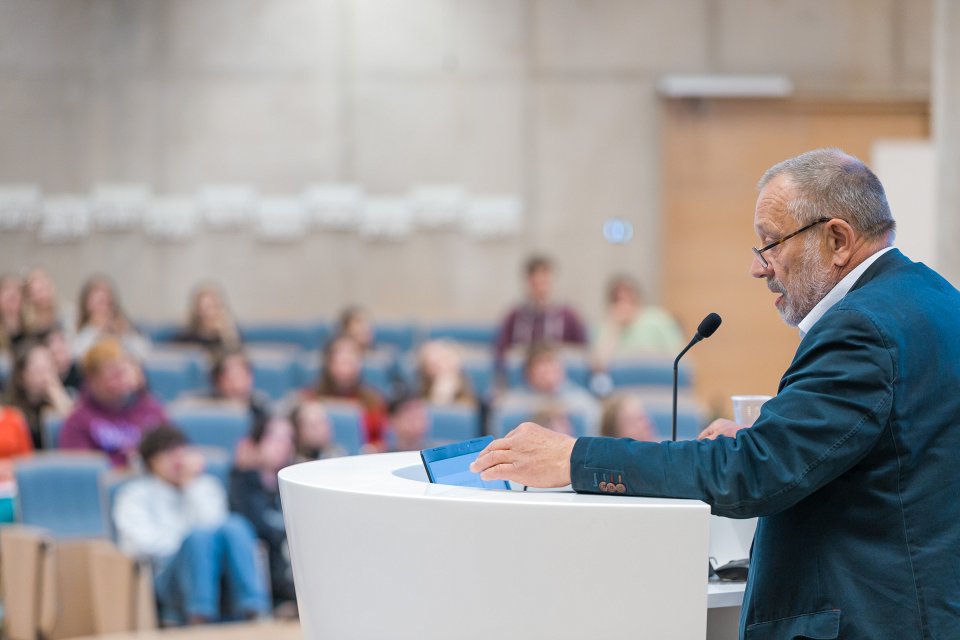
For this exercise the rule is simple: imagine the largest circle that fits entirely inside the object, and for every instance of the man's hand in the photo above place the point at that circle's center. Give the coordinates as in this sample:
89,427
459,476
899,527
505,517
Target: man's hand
720,427
529,455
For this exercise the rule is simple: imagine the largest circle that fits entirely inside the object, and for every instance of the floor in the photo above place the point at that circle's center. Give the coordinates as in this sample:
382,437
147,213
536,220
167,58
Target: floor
245,631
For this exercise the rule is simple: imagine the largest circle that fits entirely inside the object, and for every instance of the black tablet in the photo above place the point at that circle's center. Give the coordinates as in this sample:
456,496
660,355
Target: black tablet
450,464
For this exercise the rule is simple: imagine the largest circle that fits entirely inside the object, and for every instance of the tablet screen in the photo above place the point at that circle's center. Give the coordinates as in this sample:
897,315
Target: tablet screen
450,464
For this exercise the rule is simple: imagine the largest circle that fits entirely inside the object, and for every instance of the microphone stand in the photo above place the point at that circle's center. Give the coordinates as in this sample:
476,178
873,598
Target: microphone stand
696,338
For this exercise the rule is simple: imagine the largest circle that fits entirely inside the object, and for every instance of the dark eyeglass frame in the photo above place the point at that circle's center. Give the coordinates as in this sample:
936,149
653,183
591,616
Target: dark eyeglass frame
759,252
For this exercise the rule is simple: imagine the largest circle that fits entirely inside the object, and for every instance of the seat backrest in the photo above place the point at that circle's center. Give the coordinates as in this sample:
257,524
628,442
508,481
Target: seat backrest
631,372
346,419
454,422
64,494
52,426
213,426
505,420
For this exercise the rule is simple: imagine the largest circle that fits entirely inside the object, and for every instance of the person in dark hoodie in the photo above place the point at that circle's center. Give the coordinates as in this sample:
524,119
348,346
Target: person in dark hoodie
255,494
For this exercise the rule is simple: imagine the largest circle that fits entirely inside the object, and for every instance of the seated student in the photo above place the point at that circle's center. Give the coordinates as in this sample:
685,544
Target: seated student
41,310
12,327
101,316
442,380
210,323
546,383
231,377
625,417
539,318
354,322
114,411
177,517
555,418
15,440
340,380
35,388
633,328
313,433
67,367
409,425
255,495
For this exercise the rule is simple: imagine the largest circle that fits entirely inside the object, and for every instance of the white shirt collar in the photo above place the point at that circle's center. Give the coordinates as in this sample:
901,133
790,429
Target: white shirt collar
836,294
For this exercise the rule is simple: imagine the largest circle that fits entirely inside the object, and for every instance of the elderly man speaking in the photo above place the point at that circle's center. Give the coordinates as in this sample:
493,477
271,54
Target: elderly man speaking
854,467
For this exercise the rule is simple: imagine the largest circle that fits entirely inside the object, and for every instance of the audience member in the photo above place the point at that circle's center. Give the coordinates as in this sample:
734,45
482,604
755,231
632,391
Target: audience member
177,517
15,440
555,418
633,328
210,323
41,309
114,411
67,367
255,494
101,315
313,433
442,379
12,328
547,384
624,416
355,323
232,379
35,387
538,318
409,425
340,380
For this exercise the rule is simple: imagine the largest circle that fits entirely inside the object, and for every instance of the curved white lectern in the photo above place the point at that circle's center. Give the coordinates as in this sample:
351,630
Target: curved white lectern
381,554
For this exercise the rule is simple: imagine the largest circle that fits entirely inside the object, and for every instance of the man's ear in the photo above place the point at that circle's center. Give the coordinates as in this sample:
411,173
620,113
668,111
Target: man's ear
840,241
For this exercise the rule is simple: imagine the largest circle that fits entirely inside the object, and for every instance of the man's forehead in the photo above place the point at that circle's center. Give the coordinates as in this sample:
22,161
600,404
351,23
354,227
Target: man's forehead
772,211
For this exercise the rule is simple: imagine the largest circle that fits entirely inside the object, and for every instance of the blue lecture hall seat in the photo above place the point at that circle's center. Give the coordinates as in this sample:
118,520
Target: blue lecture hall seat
346,419
647,372
453,422
64,494
471,334
212,426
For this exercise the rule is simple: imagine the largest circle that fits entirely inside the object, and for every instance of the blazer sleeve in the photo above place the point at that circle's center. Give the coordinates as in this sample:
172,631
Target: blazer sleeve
833,405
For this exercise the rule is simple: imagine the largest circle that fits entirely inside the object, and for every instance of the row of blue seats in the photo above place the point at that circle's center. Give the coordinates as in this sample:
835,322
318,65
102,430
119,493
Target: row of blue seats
278,375
403,336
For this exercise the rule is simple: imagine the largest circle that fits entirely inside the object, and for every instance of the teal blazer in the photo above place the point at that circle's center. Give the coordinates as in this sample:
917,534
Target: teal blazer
853,469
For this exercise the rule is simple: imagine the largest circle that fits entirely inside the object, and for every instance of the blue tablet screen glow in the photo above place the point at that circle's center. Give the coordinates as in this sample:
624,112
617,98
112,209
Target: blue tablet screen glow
450,465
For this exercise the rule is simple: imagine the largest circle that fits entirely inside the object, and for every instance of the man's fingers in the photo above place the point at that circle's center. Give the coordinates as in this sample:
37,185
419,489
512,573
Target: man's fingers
498,472
490,459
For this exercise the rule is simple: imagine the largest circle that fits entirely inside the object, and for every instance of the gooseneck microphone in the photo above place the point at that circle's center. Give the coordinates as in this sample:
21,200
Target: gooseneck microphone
706,329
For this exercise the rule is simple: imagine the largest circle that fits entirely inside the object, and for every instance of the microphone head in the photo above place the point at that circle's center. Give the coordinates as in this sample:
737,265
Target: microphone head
709,325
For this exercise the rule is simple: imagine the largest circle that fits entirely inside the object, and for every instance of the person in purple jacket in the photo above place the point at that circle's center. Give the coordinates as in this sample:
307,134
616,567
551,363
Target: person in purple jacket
539,318
114,409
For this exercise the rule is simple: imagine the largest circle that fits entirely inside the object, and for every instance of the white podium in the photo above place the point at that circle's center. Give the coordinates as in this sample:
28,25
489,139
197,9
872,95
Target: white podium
379,553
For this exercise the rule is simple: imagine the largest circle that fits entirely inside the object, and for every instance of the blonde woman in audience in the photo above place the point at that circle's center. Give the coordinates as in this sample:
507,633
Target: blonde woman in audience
313,433
114,411
12,327
340,380
355,323
624,416
176,516
100,316
555,418
442,380
210,323
41,309
632,328
35,388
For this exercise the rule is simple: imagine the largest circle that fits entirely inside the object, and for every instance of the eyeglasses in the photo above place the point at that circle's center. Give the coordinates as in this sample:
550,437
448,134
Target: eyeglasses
759,252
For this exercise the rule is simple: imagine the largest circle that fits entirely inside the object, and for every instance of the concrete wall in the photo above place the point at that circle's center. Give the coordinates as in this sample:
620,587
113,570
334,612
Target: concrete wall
553,100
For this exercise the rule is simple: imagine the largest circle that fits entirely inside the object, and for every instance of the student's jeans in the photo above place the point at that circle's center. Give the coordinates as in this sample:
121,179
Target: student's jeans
188,583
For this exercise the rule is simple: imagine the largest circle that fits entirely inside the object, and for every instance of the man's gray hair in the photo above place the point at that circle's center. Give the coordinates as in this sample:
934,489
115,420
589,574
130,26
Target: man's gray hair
834,184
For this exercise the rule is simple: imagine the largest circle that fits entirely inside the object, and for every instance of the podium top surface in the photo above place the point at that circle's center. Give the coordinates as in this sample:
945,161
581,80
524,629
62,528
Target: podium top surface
401,475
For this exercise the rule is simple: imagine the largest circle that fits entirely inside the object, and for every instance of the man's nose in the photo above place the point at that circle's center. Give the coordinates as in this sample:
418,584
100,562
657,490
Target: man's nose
757,270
